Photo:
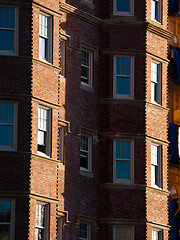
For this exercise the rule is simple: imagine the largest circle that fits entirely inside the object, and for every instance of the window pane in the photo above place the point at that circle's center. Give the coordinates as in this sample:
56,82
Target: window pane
122,85
6,40
4,232
123,233
122,5
6,132
42,47
122,169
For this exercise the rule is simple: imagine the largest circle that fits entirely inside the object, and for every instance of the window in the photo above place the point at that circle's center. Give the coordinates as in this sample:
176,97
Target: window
44,120
122,233
7,126
156,10
123,82
6,219
156,162
84,231
45,41
123,7
86,152
156,82
157,234
42,221
8,30
86,68
90,1
62,132
123,162
62,56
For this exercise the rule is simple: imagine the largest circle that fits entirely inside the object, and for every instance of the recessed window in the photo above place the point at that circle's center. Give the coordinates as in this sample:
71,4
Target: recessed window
42,222
84,231
123,161
8,30
45,38
62,56
44,131
62,131
123,7
86,152
156,165
156,10
86,68
7,126
123,81
6,219
122,233
157,234
156,82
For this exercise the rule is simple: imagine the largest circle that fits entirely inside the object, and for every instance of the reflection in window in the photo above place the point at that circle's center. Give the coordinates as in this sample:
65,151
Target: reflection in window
5,219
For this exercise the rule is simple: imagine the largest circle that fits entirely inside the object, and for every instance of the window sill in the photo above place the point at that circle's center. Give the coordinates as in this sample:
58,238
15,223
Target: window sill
6,53
42,154
87,88
86,173
155,21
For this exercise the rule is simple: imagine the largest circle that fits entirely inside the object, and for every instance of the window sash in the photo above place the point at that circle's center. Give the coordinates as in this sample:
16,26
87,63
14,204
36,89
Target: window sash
86,67
156,162
123,232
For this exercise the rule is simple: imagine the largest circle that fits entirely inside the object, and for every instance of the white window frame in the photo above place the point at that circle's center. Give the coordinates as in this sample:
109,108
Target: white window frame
157,234
16,32
62,56
47,132
156,165
90,67
156,11
131,161
131,79
45,228
12,222
14,130
88,230
47,38
131,8
156,85
88,152
123,227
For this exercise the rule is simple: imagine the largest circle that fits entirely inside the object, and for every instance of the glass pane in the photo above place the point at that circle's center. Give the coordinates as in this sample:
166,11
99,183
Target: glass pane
122,6
4,232
6,12
6,40
42,47
6,132
2,206
11,108
122,169
122,85
84,160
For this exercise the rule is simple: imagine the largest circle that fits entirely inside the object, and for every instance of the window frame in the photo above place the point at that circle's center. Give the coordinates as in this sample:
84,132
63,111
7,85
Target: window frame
89,229
90,67
121,13
47,220
16,33
49,132
156,91
63,56
14,131
123,226
156,183
89,158
62,134
131,78
156,10
49,58
131,160
12,223
160,233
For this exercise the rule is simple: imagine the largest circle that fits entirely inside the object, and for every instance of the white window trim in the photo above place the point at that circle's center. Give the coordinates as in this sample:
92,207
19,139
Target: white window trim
123,226
159,12
14,133
50,40
157,230
125,181
12,227
90,141
131,10
88,230
16,33
159,83
47,221
91,56
159,164
131,85
49,133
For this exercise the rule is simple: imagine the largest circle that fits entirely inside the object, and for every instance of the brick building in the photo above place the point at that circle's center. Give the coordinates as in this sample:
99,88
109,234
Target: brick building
83,119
